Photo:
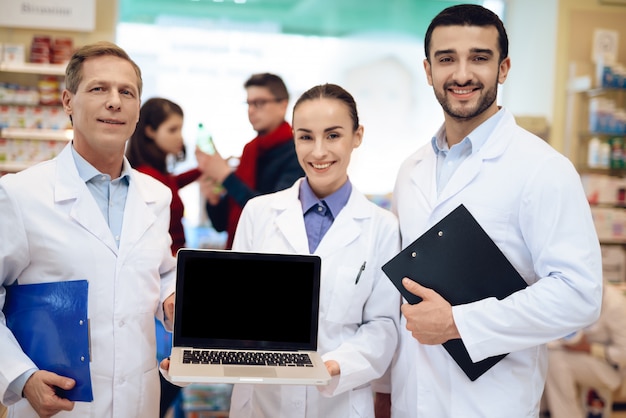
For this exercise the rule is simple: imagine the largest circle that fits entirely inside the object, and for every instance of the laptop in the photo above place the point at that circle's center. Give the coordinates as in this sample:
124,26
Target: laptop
245,317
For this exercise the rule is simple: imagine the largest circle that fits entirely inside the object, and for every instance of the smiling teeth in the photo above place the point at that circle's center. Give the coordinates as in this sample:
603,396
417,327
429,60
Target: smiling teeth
462,91
320,166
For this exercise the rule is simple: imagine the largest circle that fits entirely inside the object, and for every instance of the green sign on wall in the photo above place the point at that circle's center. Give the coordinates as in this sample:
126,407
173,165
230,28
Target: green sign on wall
305,17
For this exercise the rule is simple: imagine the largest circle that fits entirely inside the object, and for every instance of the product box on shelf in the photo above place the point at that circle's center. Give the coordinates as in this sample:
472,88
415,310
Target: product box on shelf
47,50
605,116
31,151
33,117
614,263
614,76
13,54
4,146
610,224
602,189
5,116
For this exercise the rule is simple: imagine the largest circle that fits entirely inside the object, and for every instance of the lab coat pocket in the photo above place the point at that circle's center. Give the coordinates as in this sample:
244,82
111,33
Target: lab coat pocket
495,221
362,402
141,281
23,409
348,295
150,385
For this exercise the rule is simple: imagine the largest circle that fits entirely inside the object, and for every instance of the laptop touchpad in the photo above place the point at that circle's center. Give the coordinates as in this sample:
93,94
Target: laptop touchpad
249,371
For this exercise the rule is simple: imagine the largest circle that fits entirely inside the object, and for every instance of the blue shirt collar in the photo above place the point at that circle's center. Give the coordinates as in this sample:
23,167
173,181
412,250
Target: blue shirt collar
476,138
335,202
86,171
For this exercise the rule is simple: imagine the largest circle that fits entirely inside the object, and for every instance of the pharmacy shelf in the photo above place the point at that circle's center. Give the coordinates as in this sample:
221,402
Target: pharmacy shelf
37,134
18,104
32,68
612,241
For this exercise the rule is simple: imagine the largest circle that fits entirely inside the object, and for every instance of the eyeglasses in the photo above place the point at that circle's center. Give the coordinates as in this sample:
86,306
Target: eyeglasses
260,103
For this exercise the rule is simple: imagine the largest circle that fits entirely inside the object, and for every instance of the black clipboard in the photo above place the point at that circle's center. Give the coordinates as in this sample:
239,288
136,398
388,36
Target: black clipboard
458,260
49,320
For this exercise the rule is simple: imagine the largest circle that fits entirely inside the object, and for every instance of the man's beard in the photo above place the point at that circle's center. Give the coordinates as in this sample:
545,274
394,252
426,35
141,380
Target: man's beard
466,113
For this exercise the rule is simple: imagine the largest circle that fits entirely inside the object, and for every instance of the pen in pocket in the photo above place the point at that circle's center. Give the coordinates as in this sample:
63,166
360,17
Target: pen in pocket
358,276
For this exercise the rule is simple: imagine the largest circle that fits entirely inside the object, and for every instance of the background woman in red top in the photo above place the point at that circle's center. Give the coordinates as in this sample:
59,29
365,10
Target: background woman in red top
158,139
159,134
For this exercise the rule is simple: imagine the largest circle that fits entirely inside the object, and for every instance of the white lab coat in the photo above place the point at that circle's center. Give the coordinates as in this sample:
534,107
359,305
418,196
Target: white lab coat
529,199
53,230
358,322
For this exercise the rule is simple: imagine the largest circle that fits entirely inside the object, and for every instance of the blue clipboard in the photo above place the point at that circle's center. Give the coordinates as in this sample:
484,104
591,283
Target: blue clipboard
50,322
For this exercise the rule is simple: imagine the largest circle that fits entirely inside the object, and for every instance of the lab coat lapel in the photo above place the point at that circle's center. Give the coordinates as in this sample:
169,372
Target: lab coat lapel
70,189
138,216
345,229
495,145
423,177
464,175
289,219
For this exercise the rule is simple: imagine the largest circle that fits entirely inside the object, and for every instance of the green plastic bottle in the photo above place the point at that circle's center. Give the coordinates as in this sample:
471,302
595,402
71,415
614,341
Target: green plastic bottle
204,139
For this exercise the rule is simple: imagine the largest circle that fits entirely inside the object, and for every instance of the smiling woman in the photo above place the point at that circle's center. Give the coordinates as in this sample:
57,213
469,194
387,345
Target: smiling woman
325,214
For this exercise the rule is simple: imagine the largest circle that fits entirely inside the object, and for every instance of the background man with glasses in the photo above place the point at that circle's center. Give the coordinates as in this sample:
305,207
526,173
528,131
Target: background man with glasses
268,163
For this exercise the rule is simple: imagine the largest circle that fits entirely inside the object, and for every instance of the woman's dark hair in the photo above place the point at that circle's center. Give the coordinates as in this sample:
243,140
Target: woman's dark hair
142,150
331,91
468,15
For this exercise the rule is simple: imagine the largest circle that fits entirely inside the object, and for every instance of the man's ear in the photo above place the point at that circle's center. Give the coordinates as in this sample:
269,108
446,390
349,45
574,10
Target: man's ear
66,101
429,72
505,66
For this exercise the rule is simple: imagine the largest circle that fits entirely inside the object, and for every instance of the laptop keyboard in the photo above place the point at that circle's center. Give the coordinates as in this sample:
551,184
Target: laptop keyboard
247,358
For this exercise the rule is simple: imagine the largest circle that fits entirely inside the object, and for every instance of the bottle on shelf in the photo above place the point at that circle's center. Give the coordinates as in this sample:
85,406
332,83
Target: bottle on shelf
605,155
617,153
593,153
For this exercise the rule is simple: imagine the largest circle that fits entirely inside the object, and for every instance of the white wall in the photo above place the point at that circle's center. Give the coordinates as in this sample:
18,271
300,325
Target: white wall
532,30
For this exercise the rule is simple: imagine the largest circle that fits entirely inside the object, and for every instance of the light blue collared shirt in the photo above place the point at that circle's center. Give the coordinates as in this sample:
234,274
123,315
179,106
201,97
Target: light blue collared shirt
449,159
110,195
318,214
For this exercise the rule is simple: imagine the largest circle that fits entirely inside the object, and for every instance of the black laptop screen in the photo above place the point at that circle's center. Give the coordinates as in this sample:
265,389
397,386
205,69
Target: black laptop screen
227,299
